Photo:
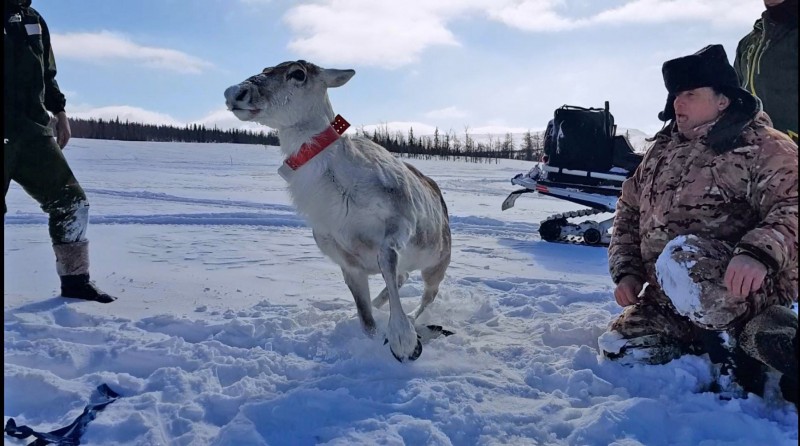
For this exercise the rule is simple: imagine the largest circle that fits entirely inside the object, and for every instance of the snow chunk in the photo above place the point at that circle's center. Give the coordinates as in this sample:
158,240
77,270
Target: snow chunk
611,342
674,278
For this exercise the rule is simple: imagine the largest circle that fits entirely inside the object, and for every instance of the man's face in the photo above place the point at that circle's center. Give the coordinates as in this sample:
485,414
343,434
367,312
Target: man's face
769,3
696,107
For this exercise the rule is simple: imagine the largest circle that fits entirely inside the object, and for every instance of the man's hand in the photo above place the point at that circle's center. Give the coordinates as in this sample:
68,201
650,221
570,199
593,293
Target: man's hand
743,276
63,132
627,291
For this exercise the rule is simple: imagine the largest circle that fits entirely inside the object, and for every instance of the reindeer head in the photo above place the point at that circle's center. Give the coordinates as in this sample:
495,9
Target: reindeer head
286,95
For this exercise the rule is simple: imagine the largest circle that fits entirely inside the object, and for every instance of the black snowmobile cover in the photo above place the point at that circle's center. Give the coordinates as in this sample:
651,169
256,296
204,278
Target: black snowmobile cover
624,156
581,139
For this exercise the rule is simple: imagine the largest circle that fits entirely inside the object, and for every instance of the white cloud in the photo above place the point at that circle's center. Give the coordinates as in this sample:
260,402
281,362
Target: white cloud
110,46
446,113
421,128
126,113
402,127
224,119
532,15
547,15
393,34
733,13
385,34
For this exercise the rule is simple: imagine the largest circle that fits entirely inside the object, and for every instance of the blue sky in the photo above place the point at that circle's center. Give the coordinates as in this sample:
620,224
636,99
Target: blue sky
489,66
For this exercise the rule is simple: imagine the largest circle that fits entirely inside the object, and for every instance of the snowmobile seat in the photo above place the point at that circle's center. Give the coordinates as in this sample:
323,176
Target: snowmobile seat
624,157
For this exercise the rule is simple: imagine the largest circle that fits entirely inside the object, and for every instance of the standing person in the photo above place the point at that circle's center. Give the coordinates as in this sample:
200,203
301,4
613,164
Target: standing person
32,156
766,63
709,222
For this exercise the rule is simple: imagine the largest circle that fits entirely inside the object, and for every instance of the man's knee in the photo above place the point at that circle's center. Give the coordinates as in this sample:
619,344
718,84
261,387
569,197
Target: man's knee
646,333
691,273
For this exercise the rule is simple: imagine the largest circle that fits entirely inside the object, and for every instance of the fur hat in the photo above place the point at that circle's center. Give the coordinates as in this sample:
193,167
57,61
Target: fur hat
708,67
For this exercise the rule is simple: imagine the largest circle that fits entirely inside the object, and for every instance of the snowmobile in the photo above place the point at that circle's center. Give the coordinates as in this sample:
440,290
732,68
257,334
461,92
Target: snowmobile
584,162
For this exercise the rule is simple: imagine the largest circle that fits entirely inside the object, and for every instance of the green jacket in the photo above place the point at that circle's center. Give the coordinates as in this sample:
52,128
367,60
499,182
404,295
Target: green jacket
29,83
766,63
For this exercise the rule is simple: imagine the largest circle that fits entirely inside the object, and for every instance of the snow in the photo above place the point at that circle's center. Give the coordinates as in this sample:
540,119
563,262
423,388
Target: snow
675,279
611,341
231,327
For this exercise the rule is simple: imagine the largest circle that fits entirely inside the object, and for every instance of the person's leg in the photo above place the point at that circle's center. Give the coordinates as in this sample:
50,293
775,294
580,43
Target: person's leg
9,161
691,273
44,173
741,336
647,333
771,338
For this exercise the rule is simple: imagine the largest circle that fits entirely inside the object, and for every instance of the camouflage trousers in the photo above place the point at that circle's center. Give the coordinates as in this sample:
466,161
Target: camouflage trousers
37,164
651,332
688,305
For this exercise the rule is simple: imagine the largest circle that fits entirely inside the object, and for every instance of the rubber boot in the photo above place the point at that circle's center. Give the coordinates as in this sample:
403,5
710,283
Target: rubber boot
737,372
80,287
72,264
647,349
771,338
789,386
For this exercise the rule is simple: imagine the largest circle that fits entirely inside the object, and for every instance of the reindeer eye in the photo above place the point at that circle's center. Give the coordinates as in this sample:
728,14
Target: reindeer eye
298,75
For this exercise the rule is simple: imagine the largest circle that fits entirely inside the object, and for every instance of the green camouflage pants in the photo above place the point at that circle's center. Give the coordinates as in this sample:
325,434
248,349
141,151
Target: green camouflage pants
651,317
652,332
37,164
660,328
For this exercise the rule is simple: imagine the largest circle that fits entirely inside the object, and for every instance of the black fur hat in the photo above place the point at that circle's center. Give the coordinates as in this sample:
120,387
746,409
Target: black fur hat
708,67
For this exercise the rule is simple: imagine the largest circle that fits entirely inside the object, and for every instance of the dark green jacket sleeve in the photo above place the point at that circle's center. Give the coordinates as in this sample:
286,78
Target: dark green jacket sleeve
54,100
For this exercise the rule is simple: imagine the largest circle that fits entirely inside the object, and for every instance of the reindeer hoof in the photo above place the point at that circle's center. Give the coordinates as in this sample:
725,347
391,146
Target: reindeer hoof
414,355
441,330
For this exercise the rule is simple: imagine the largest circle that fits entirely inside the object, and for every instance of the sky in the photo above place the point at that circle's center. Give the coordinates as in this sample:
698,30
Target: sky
477,66
232,328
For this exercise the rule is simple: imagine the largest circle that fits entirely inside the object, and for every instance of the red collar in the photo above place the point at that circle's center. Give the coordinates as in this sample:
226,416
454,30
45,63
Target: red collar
318,143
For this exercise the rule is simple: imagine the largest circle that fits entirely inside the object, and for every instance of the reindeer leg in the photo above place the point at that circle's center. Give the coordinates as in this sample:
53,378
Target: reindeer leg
359,286
432,277
383,296
401,336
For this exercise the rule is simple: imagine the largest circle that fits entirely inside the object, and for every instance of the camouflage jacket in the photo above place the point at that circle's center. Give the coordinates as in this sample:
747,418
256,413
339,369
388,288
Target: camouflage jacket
746,196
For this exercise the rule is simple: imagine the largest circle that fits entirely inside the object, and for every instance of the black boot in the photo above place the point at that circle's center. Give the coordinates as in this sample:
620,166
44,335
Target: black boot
738,373
80,287
789,385
789,388
771,338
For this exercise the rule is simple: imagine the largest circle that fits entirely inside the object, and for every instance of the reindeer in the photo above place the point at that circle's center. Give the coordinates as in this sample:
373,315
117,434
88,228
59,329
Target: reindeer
369,212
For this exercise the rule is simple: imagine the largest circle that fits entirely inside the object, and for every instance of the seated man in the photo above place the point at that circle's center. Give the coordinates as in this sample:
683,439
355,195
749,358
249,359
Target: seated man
709,222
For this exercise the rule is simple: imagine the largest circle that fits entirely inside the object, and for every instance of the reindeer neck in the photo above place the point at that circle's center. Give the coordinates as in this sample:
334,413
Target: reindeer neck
293,137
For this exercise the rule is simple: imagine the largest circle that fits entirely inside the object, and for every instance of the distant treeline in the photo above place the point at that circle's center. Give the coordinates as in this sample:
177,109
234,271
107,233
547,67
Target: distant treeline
133,131
442,145
449,145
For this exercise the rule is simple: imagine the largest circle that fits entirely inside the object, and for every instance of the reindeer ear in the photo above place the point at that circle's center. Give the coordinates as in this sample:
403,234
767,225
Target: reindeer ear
336,78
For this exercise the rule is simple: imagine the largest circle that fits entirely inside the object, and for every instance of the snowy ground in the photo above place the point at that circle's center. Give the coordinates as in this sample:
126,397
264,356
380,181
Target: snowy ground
232,328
